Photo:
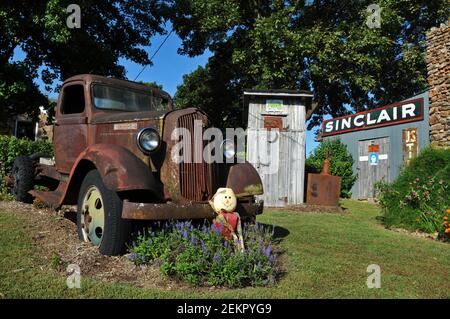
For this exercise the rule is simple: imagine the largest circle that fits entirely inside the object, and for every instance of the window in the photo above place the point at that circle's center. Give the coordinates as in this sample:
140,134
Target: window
124,99
73,99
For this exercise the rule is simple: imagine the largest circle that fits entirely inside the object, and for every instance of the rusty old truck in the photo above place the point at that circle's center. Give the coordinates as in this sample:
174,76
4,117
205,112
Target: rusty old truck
112,159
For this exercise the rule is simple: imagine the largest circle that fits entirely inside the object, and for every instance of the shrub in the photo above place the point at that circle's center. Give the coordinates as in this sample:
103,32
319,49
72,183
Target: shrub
417,198
12,147
200,256
341,163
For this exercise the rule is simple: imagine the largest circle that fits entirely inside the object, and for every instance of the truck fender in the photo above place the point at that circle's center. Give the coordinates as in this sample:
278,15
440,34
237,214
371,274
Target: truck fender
244,180
119,168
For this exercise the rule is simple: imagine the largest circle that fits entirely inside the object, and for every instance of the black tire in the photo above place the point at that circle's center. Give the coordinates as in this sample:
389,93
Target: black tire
248,222
22,175
116,230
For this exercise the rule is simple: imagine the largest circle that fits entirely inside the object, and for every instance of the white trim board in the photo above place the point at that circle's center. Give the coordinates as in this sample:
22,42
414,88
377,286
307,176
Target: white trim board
278,94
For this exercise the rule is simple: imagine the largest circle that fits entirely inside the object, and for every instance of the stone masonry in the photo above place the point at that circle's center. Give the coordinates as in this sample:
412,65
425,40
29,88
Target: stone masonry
438,63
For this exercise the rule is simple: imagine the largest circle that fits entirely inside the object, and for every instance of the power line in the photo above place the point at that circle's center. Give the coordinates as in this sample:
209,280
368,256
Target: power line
157,50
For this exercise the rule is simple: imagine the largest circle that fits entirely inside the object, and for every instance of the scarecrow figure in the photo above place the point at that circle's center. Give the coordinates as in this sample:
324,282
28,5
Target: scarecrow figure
227,220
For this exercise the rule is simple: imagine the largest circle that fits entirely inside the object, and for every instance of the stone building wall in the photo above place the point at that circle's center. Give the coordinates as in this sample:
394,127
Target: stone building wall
438,63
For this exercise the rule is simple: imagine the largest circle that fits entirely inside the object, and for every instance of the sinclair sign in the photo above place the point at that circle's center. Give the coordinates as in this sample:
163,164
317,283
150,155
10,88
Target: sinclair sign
408,111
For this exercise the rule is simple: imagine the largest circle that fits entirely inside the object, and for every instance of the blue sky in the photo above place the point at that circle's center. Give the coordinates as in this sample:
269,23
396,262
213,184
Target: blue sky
168,69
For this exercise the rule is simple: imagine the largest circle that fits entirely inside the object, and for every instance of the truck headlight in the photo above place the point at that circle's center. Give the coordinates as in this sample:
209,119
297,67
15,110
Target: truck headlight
148,140
228,148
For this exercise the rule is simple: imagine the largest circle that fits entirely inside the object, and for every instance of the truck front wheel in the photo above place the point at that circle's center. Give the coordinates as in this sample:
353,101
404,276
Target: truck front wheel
99,216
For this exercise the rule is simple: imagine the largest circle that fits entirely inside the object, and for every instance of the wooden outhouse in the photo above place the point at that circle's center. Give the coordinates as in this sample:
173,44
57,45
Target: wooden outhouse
276,142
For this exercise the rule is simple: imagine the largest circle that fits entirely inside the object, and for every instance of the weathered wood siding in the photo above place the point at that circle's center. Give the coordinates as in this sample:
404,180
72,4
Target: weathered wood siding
283,177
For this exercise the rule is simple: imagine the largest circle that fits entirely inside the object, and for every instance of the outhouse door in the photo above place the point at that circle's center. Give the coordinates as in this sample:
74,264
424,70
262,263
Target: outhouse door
373,165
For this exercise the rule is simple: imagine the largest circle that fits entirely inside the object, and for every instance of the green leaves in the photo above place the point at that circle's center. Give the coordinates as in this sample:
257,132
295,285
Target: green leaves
322,46
419,196
109,30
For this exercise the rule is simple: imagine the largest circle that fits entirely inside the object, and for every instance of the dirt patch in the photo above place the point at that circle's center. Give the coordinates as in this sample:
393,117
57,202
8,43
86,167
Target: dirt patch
308,208
57,245
416,233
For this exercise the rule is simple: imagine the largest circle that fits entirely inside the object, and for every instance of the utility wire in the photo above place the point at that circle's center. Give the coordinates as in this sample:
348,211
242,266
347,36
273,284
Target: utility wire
157,50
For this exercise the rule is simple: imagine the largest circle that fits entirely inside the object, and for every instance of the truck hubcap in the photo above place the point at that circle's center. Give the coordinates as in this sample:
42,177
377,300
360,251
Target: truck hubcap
93,216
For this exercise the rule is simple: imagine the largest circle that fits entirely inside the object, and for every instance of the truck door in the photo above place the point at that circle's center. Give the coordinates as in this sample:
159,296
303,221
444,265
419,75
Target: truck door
70,133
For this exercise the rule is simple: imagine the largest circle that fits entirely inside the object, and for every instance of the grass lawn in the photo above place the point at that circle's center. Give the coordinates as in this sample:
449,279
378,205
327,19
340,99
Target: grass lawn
326,256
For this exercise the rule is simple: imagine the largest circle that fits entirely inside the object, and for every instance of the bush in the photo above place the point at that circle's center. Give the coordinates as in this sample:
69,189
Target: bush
12,147
341,163
417,199
200,256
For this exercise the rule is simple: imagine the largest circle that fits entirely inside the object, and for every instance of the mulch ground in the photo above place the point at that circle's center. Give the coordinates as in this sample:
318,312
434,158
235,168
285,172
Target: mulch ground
57,245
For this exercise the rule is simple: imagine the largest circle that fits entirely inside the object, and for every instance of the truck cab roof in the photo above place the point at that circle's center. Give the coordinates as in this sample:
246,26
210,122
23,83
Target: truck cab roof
93,78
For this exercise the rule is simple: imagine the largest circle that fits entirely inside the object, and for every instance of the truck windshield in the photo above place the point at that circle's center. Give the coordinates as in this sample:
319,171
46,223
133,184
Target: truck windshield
128,100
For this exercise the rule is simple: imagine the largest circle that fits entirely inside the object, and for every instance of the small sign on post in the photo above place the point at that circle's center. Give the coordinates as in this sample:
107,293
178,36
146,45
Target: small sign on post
273,122
410,144
274,106
374,148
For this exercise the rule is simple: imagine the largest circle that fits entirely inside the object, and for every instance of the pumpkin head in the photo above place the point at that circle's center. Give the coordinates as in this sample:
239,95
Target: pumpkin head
224,199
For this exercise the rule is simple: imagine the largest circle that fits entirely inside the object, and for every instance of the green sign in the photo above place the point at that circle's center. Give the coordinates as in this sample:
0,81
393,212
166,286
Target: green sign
274,106
408,111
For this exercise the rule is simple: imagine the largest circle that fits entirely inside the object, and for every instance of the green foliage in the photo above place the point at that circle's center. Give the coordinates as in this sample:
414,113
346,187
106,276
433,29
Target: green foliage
205,89
12,147
57,262
109,30
320,45
200,255
341,163
417,199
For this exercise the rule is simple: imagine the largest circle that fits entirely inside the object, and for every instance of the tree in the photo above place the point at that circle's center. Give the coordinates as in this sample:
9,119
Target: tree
210,89
319,45
109,30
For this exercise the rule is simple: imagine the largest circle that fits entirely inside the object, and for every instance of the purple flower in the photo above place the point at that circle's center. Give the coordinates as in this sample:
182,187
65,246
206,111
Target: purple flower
417,179
272,258
217,228
132,257
267,251
185,234
217,258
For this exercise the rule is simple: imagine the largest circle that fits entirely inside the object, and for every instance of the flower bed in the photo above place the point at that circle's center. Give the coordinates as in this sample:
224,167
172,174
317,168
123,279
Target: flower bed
417,198
200,256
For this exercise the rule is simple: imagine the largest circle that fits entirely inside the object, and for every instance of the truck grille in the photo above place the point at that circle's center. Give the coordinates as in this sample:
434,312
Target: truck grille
197,179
